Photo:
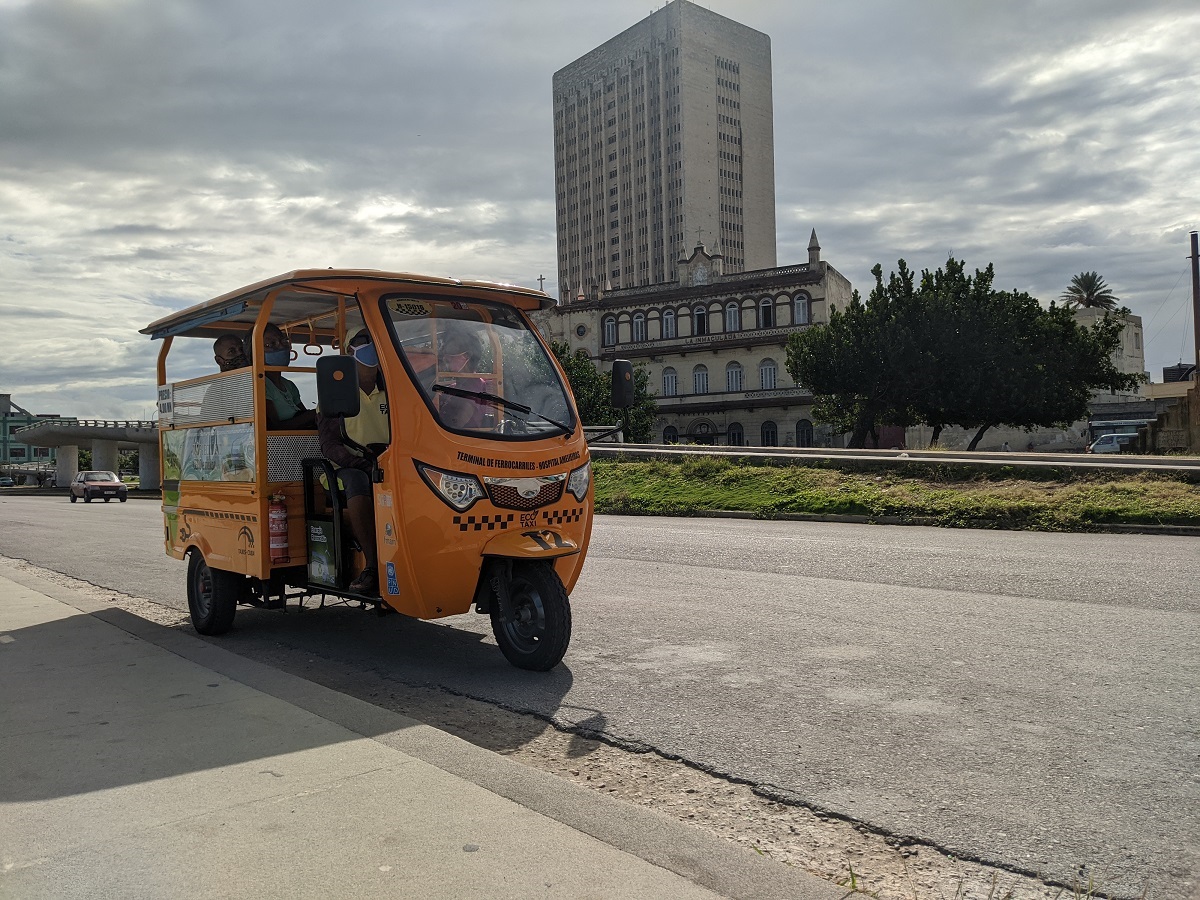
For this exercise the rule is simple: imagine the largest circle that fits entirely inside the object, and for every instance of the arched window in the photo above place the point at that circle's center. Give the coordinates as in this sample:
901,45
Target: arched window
668,322
770,435
737,437
670,435
700,380
733,317
733,376
610,331
699,320
766,313
670,382
800,309
639,327
804,433
766,374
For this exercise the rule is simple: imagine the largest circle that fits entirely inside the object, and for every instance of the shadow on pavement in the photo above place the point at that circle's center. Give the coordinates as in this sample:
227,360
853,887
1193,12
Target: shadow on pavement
88,706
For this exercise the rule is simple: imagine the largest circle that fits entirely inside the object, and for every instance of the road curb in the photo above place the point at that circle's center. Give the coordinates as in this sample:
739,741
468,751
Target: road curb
846,519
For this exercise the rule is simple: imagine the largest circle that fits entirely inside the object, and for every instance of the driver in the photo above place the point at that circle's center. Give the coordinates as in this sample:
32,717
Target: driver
369,427
459,351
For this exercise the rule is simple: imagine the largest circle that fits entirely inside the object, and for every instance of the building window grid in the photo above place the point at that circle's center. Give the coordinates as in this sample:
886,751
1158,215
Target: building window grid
670,383
766,374
733,317
733,377
610,331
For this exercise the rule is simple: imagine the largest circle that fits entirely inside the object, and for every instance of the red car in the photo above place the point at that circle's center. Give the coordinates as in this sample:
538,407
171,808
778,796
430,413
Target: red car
106,485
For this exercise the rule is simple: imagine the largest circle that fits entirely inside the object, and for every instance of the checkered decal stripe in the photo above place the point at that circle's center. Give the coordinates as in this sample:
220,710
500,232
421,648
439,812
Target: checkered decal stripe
562,516
479,523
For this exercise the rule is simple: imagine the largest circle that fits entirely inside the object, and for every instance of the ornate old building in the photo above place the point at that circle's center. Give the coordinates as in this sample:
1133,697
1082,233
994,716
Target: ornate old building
714,345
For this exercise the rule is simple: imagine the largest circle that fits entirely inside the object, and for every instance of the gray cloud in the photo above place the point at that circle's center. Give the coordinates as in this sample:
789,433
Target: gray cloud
157,152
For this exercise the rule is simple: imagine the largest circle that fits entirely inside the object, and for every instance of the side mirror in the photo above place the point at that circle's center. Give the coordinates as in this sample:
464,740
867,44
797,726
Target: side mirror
622,384
337,386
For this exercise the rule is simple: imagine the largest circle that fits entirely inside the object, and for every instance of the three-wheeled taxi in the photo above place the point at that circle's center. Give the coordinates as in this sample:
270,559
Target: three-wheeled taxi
480,490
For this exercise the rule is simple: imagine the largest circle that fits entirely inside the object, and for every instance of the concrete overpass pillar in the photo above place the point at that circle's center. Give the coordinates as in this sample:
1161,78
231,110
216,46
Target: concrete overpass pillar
104,455
148,458
66,465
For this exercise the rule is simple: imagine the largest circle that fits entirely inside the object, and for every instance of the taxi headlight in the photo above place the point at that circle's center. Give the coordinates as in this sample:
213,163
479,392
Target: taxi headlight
577,484
458,490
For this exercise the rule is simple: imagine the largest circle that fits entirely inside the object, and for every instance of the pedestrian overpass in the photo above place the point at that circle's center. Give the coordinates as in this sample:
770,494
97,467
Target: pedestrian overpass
106,438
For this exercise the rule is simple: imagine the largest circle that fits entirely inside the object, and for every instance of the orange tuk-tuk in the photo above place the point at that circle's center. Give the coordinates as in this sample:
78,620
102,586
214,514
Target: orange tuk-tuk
478,495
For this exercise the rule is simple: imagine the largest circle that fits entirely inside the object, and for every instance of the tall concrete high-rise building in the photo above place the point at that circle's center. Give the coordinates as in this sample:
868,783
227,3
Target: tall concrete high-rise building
663,138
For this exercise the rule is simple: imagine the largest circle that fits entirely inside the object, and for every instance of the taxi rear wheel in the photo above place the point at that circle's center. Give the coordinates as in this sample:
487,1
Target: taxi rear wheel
536,634
213,595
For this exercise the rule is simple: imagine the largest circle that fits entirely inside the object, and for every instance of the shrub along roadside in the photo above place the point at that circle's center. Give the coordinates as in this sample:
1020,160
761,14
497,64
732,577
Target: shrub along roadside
1004,499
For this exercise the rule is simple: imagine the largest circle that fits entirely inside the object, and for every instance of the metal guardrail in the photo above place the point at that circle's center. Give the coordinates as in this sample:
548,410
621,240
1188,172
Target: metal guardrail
91,423
795,455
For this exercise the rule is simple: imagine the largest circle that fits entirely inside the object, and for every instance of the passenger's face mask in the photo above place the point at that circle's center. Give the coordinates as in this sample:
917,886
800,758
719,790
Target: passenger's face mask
365,354
235,361
278,357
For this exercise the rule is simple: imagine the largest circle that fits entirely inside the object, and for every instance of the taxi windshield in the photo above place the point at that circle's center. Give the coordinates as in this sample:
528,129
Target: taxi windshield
480,368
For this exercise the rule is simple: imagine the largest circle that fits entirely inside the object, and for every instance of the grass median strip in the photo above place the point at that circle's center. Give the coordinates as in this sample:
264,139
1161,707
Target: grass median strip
1008,498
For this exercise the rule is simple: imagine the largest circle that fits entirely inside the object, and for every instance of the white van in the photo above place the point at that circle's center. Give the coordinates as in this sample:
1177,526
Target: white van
1111,443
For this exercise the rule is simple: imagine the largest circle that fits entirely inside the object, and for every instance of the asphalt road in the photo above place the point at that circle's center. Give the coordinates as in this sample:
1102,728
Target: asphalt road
1024,699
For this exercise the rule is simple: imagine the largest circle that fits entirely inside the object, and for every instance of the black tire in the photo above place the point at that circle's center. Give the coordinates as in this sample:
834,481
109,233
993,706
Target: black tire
123,499
213,595
106,499
537,636
87,498
73,497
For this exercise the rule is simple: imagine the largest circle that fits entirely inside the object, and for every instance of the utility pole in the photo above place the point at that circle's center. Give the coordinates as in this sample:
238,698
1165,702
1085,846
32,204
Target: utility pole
1195,258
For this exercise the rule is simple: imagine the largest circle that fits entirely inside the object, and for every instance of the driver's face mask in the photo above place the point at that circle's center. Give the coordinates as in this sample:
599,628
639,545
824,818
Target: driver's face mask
366,355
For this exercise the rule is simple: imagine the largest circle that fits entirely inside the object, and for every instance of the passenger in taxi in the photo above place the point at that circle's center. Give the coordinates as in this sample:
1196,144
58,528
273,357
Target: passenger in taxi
229,353
221,397
285,409
369,429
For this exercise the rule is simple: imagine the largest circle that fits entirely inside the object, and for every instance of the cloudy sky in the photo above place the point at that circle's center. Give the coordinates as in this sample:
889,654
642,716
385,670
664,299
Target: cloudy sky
156,153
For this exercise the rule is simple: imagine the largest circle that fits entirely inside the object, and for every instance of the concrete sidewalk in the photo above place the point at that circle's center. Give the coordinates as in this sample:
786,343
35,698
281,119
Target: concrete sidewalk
141,761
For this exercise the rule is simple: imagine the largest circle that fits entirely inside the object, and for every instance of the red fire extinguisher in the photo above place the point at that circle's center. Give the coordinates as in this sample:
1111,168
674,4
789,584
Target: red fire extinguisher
277,520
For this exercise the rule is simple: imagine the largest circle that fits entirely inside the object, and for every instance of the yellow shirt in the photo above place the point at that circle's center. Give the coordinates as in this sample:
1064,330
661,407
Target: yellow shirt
370,426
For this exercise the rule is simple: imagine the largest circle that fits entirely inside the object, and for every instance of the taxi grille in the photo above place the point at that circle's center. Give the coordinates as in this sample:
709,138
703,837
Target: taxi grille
507,494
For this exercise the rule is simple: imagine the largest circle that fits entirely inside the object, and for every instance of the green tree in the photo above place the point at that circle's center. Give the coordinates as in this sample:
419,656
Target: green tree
948,349
1087,289
128,462
869,363
593,394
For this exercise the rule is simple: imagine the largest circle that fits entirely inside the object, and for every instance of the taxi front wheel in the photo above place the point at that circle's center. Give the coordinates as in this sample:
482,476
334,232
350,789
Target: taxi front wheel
213,595
536,634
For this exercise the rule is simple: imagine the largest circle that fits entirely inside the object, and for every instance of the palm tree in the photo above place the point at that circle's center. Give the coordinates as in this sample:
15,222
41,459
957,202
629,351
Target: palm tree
1087,289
